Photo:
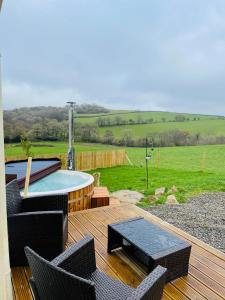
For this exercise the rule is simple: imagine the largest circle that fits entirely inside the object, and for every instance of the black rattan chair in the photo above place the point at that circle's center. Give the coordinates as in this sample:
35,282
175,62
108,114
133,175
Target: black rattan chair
38,222
73,275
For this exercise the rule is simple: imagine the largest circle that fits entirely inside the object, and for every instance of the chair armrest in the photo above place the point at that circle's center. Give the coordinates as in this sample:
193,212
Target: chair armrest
79,259
151,287
34,289
43,203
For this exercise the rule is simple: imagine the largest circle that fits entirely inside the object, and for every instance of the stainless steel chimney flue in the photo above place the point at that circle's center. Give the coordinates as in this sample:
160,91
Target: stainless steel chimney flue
71,151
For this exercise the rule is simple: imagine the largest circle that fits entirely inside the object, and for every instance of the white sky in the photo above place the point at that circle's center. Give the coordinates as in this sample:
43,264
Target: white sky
131,54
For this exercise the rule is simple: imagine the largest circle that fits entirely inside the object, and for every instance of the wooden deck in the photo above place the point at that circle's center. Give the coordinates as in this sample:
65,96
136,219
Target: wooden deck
206,279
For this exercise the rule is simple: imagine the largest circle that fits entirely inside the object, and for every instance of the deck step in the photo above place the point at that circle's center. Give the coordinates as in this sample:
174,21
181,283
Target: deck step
100,197
114,201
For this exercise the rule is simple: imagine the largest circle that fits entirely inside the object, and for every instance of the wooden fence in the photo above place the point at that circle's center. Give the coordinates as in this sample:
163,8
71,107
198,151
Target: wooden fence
86,160
99,159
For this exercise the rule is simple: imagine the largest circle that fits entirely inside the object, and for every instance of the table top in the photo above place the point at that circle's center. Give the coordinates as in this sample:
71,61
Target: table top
148,237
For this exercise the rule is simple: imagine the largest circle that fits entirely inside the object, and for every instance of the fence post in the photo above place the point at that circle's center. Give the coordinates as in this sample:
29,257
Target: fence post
203,161
128,159
158,158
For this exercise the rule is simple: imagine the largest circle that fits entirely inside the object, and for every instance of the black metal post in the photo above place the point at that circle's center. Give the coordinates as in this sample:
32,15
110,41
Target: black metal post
148,156
71,150
146,160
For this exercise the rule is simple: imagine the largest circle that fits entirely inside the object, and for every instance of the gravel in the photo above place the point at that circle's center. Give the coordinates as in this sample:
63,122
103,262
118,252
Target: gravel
202,216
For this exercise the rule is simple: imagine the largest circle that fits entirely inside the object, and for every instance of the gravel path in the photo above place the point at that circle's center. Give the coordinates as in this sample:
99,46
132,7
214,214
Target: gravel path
202,217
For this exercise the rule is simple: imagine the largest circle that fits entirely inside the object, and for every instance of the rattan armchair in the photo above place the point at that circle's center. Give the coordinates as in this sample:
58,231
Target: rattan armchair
38,222
73,275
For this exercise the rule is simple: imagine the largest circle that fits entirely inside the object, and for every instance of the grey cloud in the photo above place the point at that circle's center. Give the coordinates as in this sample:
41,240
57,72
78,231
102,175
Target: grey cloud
165,54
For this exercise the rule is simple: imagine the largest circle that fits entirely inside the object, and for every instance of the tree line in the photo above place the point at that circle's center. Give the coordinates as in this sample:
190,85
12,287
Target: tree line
118,121
90,133
41,122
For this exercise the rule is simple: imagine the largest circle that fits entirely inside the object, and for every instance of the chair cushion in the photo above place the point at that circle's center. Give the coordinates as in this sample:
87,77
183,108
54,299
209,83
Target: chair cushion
108,288
13,198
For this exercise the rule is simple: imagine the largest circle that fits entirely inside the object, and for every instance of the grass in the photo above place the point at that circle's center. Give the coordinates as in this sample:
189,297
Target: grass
127,115
209,158
54,148
204,127
189,183
193,170
174,158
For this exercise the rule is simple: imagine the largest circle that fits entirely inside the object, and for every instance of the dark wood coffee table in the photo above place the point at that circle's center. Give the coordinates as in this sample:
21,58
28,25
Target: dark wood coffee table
151,245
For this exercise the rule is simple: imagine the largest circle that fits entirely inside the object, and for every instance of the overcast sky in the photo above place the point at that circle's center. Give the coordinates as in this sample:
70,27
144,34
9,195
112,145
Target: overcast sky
129,54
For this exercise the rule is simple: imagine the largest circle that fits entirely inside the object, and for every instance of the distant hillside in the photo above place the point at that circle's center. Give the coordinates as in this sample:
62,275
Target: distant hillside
51,120
205,127
120,127
144,117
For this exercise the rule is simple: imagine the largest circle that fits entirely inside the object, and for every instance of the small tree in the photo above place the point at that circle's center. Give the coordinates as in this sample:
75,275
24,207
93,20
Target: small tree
180,118
26,146
126,138
108,137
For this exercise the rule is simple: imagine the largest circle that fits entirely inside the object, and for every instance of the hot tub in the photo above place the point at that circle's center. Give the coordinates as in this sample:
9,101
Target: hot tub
78,185
39,168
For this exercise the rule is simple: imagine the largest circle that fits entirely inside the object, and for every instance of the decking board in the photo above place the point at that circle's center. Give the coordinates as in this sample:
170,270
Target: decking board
206,278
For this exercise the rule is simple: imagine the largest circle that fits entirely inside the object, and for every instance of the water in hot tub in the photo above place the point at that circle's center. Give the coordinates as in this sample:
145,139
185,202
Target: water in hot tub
57,181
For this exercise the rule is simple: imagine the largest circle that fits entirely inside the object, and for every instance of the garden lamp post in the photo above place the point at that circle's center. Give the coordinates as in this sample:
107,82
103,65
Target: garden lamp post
5,272
148,156
71,150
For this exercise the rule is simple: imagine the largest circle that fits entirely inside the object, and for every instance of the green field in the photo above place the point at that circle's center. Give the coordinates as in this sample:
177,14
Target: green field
192,169
192,158
162,122
189,183
108,114
210,158
134,115
53,148
204,127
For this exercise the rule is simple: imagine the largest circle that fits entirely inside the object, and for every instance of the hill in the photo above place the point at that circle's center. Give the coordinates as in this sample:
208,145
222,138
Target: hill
144,116
205,127
120,127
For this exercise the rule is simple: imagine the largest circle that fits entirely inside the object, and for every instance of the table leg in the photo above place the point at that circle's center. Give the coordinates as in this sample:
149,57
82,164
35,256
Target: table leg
114,240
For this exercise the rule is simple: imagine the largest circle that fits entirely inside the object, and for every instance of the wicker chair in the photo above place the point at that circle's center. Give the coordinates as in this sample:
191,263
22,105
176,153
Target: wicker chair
73,275
38,222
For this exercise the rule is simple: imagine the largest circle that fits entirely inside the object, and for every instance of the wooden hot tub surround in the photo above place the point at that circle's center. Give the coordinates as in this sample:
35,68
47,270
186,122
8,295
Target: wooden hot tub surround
80,199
